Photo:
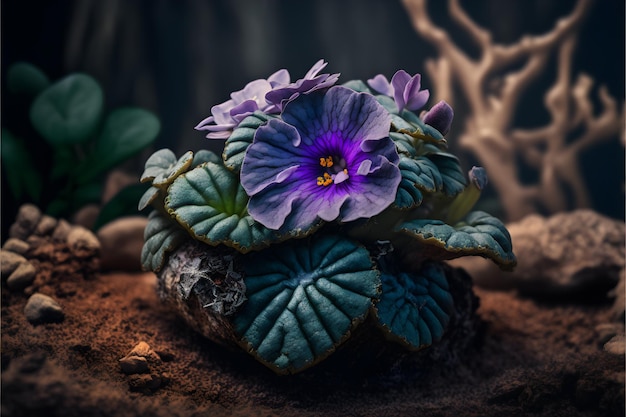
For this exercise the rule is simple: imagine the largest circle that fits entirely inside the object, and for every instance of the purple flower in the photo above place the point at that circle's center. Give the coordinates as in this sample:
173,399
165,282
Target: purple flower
404,89
478,177
226,116
440,117
311,82
329,158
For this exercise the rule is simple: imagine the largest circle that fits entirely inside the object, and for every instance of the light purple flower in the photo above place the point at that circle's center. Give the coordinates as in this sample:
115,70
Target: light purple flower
404,89
329,158
478,177
279,96
227,115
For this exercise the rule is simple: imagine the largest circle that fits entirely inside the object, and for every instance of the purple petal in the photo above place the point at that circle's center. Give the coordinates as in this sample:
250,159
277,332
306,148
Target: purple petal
478,177
279,78
399,80
440,117
381,85
241,111
414,98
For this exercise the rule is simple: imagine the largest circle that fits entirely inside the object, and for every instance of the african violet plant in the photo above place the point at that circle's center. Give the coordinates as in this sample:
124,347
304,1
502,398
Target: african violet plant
329,202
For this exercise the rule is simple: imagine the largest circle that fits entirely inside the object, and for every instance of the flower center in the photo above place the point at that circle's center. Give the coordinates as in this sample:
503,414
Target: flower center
335,171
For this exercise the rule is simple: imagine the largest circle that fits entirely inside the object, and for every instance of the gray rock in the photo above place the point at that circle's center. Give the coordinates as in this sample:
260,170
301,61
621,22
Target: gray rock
26,220
134,365
616,345
82,242
9,261
16,246
580,253
61,230
46,225
121,242
86,216
22,277
43,309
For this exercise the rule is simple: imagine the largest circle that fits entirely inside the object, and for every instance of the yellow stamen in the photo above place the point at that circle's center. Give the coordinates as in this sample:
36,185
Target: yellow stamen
326,180
326,162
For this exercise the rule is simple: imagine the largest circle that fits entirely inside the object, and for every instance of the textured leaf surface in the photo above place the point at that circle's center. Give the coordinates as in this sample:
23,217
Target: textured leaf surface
418,174
68,111
238,142
210,201
303,300
414,308
479,234
162,235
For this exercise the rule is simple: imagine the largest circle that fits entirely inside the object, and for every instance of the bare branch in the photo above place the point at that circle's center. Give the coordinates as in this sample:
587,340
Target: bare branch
478,34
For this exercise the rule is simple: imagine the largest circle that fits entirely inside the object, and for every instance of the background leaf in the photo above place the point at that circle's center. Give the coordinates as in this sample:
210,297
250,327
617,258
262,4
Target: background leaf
125,133
68,111
21,174
304,298
124,203
25,78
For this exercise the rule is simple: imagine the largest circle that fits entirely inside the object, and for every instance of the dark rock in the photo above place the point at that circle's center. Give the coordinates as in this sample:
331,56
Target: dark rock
619,304
122,241
134,365
43,309
46,225
16,246
9,261
145,383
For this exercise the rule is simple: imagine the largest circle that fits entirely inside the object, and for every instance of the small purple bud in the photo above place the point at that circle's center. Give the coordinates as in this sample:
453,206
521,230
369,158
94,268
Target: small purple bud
478,177
440,117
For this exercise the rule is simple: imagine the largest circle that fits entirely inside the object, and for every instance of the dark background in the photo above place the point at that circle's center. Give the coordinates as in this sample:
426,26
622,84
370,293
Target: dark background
178,58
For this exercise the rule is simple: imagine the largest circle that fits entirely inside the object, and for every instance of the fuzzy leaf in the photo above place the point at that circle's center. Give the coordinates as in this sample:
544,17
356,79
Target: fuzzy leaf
414,308
304,299
479,234
68,111
418,175
210,202
238,142
162,235
19,170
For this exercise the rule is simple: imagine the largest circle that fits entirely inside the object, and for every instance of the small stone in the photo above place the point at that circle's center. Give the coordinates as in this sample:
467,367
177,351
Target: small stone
616,346
122,241
606,331
43,309
9,261
61,230
144,350
16,246
22,277
618,310
26,220
144,382
86,216
82,242
46,225
134,365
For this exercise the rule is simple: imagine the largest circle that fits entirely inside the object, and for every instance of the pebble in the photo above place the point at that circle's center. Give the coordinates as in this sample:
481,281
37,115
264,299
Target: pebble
61,230
134,365
121,241
9,261
16,246
43,309
618,310
144,382
26,220
46,225
82,242
616,345
144,350
22,277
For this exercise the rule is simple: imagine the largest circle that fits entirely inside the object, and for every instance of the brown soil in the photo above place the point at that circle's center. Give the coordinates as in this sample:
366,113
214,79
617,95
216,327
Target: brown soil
533,359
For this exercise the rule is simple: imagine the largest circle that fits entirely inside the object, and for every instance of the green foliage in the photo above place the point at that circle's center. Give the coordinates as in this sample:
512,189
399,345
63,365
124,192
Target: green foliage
79,141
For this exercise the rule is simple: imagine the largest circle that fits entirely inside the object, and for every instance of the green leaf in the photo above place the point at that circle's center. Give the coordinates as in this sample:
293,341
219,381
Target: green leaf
162,167
148,197
480,234
124,203
418,175
125,133
68,111
85,194
162,235
454,179
19,170
212,204
204,155
237,144
25,78
414,308
304,299
358,86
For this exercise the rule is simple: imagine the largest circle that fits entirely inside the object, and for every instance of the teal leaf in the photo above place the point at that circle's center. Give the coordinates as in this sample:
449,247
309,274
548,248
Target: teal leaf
304,299
124,203
125,133
479,234
19,170
162,235
414,308
404,143
453,177
25,78
69,111
204,155
237,144
418,175
148,197
212,204
162,167
357,85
